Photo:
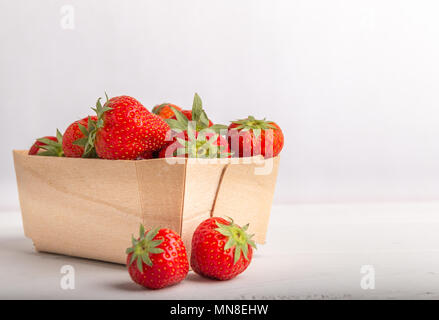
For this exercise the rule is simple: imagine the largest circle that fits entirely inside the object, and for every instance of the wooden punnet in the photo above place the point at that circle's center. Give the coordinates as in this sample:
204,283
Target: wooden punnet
90,207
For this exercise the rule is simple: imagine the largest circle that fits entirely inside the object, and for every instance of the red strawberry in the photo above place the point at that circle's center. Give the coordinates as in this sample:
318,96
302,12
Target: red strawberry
164,110
221,249
251,137
157,258
76,137
48,146
126,129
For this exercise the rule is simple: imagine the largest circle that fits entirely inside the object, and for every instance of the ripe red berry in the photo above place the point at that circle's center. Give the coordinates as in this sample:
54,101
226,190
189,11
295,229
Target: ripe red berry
76,136
48,146
126,130
251,137
157,258
221,249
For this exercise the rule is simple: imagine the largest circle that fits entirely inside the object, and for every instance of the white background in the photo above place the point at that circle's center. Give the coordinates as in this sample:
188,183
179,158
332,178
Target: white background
354,84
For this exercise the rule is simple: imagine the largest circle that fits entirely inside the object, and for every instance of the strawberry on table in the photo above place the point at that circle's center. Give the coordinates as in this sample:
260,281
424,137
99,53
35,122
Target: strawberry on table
164,110
221,249
157,258
250,137
125,129
76,136
48,146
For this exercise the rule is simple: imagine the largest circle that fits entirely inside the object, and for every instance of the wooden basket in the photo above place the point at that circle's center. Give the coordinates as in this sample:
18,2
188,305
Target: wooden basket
90,207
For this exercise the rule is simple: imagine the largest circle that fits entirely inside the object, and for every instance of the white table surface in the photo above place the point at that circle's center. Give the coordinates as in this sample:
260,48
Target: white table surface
312,252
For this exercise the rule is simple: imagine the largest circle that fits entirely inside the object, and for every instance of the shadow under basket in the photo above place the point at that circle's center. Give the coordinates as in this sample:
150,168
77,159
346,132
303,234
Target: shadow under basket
90,207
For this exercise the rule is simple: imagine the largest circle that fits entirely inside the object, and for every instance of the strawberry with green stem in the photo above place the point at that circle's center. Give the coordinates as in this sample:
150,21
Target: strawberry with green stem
251,137
76,138
48,146
221,249
157,258
125,130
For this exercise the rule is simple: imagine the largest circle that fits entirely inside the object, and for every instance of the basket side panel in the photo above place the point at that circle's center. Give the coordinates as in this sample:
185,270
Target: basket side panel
202,181
19,162
247,197
80,207
161,190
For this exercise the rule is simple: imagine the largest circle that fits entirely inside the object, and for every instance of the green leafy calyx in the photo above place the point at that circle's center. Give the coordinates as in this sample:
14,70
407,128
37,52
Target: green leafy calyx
100,111
144,246
88,141
237,238
254,125
201,138
51,148
199,116
201,144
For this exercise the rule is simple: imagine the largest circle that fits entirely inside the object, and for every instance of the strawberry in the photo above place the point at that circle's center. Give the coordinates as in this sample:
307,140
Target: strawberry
76,137
221,249
194,135
164,110
48,146
251,137
125,129
157,258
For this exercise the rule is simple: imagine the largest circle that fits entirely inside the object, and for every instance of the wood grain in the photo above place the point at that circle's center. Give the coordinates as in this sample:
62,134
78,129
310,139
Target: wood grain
201,187
246,196
80,207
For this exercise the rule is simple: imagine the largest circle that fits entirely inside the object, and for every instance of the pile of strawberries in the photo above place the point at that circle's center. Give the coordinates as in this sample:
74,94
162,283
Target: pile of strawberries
123,129
220,250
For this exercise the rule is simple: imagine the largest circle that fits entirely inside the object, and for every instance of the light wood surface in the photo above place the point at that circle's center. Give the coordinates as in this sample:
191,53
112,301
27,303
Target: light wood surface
312,252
